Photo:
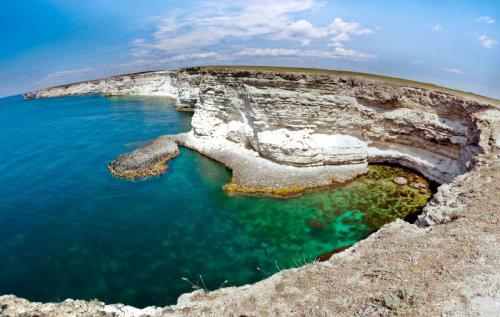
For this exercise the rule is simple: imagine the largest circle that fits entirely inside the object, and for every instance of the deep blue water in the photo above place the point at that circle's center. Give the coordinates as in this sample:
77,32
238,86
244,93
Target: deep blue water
70,229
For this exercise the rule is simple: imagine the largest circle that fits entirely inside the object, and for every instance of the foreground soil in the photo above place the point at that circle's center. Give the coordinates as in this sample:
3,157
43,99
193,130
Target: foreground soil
448,269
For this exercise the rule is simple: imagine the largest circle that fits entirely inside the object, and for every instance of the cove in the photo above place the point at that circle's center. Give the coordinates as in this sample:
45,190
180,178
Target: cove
68,229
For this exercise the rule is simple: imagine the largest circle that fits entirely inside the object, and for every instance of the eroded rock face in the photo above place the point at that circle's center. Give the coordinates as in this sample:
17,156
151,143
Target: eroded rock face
305,148
297,119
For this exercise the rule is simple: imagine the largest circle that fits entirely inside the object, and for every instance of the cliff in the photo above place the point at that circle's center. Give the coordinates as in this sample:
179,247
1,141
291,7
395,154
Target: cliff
286,130
304,121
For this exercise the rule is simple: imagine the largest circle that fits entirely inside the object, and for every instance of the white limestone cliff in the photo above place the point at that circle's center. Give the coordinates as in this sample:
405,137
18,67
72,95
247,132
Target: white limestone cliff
306,119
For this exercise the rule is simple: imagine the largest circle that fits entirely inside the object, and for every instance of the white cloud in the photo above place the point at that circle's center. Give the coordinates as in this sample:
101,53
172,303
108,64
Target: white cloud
337,40
302,31
338,52
485,19
79,74
69,75
486,41
202,55
341,37
436,28
451,70
216,22
340,26
233,23
340,31
187,57
343,31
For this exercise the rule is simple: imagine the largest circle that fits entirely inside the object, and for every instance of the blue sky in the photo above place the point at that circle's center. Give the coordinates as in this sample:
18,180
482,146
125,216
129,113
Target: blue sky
454,43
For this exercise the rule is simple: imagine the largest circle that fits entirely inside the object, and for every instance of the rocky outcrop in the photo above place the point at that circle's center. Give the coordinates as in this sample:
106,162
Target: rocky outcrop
253,174
149,160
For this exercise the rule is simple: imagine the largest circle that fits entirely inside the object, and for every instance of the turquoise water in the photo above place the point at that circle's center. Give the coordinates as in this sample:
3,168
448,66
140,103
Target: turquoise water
70,229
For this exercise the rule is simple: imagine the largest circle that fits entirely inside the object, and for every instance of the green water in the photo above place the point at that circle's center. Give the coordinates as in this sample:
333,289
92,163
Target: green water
70,229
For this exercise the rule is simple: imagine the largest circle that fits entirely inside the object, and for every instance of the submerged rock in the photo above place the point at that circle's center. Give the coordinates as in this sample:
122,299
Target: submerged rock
400,181
149,160
315,223
417,185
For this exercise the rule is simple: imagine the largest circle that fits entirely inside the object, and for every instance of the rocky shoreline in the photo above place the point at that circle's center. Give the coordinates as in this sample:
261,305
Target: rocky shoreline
283,131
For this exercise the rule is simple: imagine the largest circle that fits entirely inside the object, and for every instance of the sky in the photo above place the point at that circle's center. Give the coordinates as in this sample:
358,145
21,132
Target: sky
454,43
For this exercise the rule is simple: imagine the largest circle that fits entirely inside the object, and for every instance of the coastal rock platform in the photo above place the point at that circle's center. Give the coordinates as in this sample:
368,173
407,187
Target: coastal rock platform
149,160
253,174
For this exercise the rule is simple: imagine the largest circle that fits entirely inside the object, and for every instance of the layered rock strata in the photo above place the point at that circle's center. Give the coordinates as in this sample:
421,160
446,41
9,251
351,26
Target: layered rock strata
300,128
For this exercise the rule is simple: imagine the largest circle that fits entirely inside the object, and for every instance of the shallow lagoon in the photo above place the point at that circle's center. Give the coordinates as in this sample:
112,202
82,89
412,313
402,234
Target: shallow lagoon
70,229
